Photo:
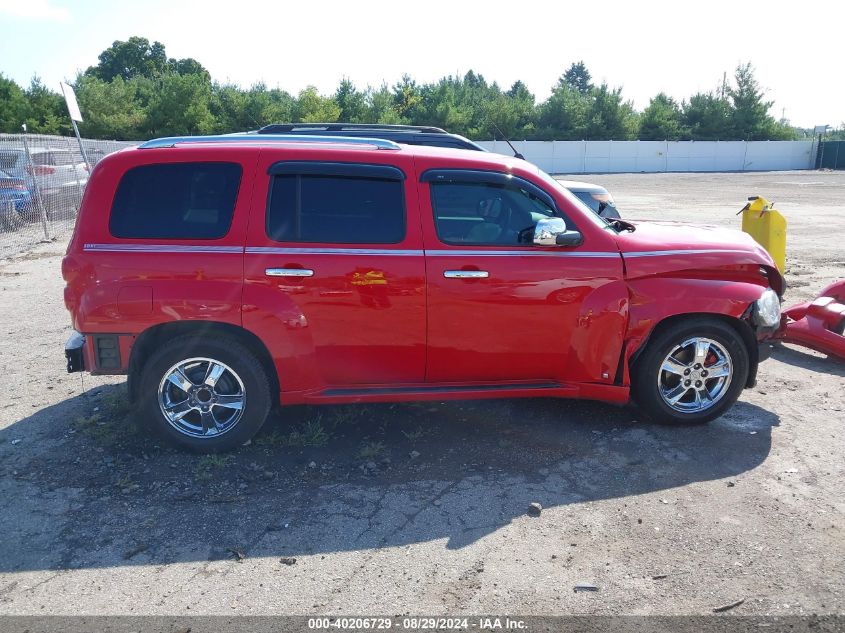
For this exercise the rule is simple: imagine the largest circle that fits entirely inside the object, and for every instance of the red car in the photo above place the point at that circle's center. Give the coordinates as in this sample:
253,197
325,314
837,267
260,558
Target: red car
226,275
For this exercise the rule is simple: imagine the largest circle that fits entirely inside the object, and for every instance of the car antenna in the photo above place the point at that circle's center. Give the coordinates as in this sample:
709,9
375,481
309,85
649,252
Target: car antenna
507,140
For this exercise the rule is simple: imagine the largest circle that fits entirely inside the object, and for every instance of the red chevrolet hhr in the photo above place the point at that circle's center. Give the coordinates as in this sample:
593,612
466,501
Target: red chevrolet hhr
229,274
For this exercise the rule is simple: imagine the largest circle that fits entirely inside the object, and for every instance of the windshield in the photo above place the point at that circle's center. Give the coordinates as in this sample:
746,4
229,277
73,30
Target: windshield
587,212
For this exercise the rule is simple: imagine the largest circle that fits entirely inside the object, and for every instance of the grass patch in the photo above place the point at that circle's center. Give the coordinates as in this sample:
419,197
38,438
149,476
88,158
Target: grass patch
214,461
94,427
312,433
116,402
371,450
207,463
126,484
415,435
342,417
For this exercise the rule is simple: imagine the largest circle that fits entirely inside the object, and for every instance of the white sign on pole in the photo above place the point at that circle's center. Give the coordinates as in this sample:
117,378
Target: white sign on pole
70,100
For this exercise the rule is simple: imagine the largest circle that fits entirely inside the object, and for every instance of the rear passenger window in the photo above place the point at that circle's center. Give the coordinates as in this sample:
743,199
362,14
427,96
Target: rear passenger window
336,209
192,201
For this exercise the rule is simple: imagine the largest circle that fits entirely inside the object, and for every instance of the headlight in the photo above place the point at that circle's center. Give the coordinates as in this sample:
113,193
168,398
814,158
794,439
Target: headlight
767,309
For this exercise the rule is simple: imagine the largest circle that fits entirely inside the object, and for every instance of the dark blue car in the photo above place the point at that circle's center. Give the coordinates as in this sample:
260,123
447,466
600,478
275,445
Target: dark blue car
15,190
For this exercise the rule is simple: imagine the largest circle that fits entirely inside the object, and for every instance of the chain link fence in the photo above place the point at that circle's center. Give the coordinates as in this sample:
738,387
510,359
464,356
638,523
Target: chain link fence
42,179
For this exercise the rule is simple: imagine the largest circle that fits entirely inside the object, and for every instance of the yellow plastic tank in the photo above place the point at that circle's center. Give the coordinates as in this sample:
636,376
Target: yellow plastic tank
767,226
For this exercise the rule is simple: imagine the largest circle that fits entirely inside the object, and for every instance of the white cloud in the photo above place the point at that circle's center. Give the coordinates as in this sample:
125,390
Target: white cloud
34,9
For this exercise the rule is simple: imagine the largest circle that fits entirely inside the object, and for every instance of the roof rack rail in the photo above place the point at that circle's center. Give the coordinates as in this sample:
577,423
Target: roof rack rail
275,128
172,141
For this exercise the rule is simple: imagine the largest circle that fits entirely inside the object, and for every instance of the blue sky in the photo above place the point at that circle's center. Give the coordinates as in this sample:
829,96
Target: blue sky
646,47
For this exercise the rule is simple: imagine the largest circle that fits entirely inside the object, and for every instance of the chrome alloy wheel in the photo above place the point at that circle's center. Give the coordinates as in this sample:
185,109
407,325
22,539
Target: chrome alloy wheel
695,375
201,397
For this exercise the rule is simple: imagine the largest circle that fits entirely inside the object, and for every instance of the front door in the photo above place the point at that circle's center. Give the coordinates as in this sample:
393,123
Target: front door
500,309
334,271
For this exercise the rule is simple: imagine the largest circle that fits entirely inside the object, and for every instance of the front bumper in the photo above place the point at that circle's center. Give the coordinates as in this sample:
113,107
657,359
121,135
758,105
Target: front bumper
75,353
818,324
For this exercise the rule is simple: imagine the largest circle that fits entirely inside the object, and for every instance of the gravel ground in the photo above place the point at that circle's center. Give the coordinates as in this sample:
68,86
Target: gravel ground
422,507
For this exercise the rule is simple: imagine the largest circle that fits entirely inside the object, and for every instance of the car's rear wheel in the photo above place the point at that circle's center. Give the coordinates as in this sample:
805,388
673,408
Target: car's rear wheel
691,372
204,395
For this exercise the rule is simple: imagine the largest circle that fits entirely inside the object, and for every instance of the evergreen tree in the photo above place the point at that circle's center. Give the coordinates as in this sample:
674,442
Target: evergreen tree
661,120
577,77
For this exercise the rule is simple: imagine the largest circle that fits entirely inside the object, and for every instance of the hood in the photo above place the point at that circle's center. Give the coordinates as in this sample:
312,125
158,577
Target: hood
661,236
666,247
578,185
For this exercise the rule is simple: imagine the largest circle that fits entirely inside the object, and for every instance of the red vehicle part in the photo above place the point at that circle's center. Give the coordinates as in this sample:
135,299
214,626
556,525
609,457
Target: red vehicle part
818,324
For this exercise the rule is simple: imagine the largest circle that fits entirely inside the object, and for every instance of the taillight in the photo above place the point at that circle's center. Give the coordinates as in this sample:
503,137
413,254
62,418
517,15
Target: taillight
12,184
41,170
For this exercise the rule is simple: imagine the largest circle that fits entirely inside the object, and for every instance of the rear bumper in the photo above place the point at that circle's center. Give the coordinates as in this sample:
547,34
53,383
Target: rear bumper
75,353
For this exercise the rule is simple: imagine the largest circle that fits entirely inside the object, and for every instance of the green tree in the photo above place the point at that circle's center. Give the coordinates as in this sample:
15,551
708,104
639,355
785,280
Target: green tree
352,102
526,110
181,106
237,110
136,56
661,120
609,117
46,112
509,114
707,117
564,114
578,77
136,91
13,106
113,109
407,100
380,106
446,106
749,118
311,107
188,66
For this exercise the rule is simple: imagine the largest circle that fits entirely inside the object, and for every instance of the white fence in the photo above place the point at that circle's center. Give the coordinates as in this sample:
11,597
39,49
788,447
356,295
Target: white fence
590,157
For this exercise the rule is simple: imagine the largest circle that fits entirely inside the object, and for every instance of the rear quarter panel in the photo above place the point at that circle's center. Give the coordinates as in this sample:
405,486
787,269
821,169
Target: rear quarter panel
117,285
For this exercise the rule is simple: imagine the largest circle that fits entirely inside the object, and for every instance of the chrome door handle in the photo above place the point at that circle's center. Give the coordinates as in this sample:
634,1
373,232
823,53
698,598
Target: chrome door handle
466,274
289,272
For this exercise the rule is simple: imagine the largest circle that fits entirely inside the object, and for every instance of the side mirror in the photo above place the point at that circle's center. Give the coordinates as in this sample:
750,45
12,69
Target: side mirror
570,238
553,232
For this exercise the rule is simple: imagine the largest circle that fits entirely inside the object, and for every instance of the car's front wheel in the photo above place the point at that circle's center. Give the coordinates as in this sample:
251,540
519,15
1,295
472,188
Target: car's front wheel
691,372
204,395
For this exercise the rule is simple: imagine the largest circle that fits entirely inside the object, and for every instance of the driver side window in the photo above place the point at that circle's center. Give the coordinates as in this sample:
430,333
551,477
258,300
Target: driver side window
482,213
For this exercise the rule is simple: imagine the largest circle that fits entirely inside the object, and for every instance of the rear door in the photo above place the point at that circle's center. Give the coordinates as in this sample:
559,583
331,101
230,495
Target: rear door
334,269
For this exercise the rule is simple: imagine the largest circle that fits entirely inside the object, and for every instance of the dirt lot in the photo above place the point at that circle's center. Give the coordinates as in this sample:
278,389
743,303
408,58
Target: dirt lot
421,508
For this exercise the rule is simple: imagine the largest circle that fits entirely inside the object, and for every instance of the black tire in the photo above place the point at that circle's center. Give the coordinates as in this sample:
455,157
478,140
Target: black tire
647,370
245,367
